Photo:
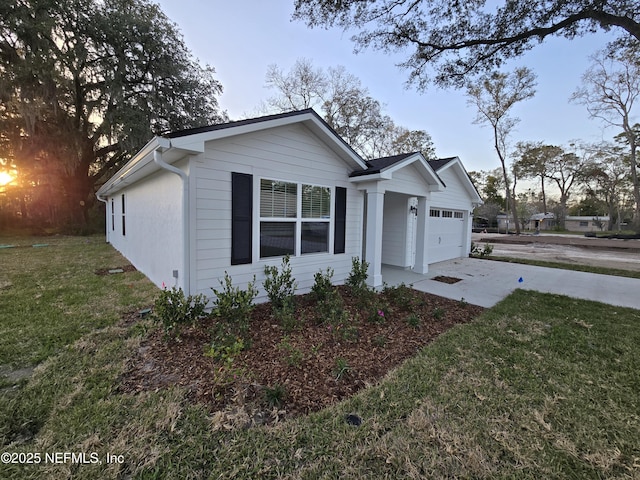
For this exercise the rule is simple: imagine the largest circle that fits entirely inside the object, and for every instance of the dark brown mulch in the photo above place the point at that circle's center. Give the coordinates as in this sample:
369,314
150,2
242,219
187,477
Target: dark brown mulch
304,362
445,279
112,270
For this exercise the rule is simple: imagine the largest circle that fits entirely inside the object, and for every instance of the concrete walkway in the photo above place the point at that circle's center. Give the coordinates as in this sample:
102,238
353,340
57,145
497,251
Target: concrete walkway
486,282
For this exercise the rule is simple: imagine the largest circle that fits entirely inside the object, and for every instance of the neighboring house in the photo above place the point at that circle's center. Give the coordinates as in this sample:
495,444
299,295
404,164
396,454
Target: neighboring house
586,223
238,196
542,221
547,222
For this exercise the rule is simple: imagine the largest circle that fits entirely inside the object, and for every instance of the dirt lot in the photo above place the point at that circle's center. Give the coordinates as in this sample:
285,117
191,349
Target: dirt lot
549,248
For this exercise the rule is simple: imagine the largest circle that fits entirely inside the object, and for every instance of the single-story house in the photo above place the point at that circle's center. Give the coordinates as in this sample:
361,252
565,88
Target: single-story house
235,197
542,221
576,223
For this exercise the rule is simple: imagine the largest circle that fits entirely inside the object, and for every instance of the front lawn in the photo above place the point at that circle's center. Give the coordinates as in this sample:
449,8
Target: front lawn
540,386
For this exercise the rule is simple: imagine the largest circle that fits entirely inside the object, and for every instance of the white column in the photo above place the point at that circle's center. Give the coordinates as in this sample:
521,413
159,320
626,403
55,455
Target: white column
375,209
422,260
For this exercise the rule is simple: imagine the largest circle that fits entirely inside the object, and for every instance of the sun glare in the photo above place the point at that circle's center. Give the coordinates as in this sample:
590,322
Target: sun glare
5,178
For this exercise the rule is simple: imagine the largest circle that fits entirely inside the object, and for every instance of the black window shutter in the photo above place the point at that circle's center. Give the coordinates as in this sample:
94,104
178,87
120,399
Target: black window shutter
241,218
340,221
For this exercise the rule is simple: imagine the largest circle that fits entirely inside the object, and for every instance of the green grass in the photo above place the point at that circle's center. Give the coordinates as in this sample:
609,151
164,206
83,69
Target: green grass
619,272
540,386
50,295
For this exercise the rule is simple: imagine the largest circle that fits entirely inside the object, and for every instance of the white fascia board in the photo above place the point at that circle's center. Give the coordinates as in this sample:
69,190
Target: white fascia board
133,165
374,177
143,160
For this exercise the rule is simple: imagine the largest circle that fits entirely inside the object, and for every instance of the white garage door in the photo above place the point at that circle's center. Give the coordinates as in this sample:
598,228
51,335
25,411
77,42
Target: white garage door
446,234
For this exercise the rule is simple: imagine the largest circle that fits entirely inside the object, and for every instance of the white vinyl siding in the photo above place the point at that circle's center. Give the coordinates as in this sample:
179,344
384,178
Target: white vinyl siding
290,154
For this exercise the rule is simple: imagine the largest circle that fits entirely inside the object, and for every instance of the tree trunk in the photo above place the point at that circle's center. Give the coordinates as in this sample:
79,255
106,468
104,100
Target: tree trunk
636,186
510,201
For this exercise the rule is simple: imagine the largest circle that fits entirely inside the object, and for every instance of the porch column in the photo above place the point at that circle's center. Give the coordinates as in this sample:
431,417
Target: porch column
373,240
422,261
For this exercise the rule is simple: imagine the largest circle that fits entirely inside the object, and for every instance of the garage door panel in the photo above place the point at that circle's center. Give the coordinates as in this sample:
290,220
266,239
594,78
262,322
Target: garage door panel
445,238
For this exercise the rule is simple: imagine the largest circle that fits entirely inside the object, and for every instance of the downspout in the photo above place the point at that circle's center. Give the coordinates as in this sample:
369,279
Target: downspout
165,143
106,210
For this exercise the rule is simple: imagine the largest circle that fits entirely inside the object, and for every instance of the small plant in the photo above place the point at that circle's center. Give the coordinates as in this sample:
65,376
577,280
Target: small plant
438,313
293,355
379,341
476,251
463,303
342,368
377,315
280,285
173,309
234,305
400,295
322,286
289,321
413,320
275,395
225,350
357,278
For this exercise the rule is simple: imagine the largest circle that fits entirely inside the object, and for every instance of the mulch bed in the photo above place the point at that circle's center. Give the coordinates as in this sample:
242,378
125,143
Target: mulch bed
444,279
304,363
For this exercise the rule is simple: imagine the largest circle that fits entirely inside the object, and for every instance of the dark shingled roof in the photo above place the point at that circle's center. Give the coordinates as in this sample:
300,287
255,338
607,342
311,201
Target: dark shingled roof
238,123
440,162
378,164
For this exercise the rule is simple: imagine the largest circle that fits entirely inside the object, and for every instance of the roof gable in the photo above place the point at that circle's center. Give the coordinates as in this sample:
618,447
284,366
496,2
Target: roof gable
176,145
383,169
455,164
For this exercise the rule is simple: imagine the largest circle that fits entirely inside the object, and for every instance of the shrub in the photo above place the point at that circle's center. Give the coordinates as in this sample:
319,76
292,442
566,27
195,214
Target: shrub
280,287
357,278
322,286
225,349
400,295
234,305
173,309
484,252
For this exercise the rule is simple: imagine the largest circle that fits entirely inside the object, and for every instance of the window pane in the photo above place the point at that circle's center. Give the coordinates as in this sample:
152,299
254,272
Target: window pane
278,199
316,202
315,237
277,239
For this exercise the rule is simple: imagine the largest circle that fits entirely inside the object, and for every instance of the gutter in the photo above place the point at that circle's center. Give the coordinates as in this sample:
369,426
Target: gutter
165,144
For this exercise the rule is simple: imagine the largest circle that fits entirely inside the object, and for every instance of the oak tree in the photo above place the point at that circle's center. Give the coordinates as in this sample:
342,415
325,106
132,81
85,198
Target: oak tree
449,40
85,83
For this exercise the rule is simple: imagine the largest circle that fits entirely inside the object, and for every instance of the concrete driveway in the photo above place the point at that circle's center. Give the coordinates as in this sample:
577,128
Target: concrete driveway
486,282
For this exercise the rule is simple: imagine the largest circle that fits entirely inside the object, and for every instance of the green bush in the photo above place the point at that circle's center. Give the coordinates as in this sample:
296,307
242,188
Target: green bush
234,305
173,309
225,349
322,286
400,295
280,287
357,278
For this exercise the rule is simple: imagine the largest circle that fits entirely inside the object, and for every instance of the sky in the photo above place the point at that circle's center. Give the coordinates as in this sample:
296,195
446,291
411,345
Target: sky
241,38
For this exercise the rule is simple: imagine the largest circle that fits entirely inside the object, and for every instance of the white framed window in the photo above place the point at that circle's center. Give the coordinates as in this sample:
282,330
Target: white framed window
113,216
434,212
458,215
295,218
124,229
447,214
